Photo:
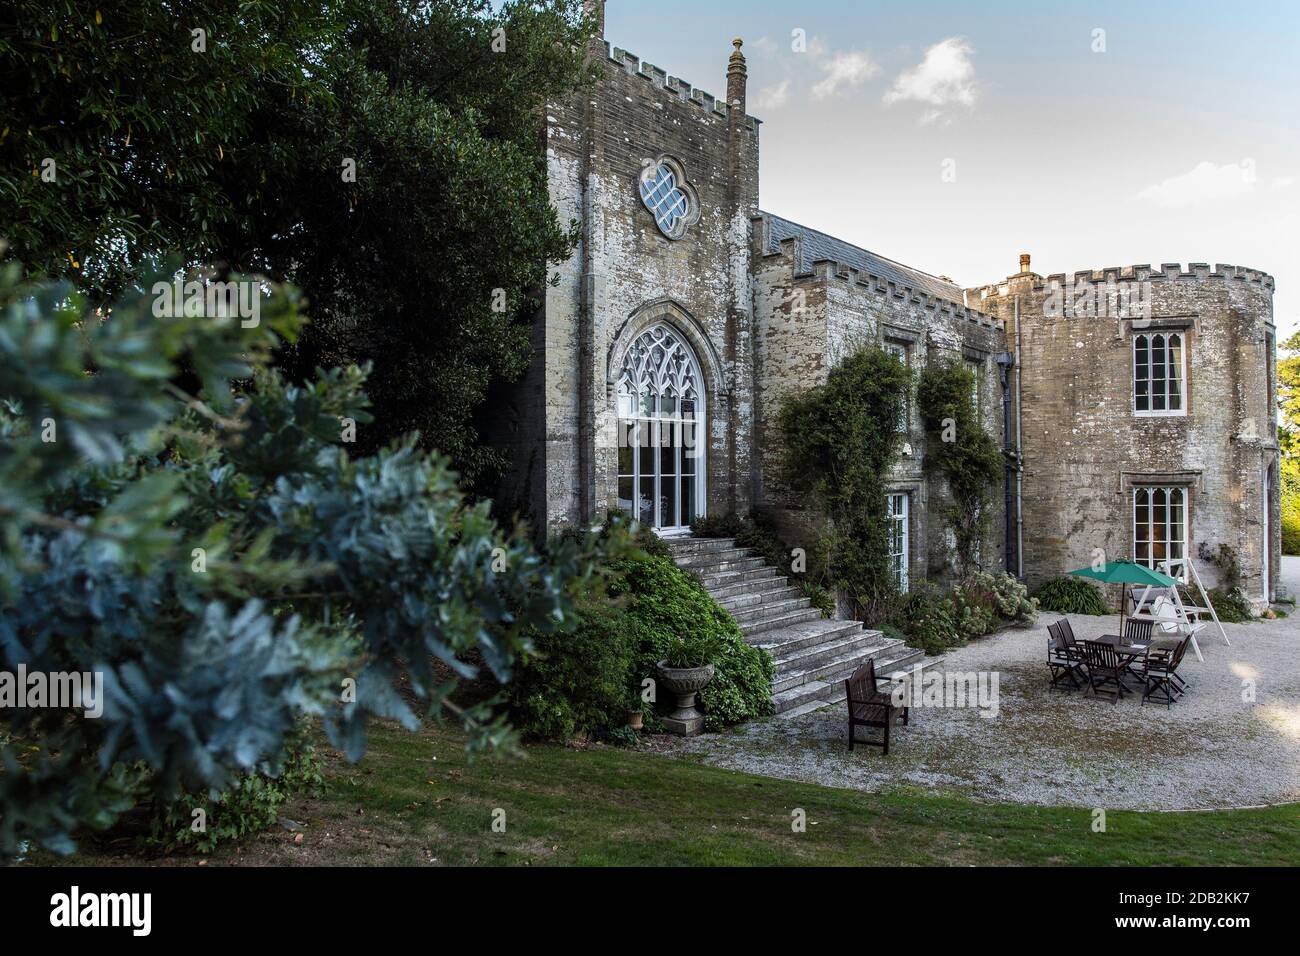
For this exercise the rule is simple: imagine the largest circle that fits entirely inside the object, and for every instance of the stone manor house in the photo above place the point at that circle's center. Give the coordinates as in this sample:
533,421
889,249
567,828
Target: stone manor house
1135,405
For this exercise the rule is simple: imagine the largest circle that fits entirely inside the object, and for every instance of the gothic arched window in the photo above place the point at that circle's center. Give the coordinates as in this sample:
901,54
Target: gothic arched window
661,433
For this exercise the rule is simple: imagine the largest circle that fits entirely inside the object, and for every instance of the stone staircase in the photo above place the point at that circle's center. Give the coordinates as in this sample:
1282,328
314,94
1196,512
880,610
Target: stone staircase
813,655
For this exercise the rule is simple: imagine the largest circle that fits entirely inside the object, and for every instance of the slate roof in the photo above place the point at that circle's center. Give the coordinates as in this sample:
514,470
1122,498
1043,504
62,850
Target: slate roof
817,245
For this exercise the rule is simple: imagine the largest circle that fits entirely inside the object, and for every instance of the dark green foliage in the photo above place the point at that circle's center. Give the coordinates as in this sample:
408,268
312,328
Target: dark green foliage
663,603
223,562
578,682
140,126
252,803
958,448
1230,605
1070,595
425,263
839,438
694,651
717,526
652,611
927,622
977,606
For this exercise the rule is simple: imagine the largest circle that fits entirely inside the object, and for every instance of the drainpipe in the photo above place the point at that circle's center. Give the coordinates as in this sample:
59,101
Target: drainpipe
1005,363
1020,461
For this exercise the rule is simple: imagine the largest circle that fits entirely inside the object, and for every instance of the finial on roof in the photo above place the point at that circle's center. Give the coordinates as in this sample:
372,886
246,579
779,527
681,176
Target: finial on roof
736,76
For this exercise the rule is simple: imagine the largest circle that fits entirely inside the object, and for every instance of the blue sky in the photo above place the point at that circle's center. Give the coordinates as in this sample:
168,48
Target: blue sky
954,136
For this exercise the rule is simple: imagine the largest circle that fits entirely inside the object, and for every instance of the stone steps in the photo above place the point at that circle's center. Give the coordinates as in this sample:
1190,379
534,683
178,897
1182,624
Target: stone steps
712,581
829,689
750,599
813,655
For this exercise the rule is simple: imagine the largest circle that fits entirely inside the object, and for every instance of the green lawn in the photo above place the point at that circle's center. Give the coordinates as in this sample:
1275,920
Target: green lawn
416,799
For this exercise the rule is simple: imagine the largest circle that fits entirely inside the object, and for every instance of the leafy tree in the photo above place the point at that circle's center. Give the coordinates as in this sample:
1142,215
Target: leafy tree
960,450
383,155
221,560
839,439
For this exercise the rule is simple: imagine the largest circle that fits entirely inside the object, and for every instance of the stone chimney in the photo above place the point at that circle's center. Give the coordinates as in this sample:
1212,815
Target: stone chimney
736,74
1024,262
595,10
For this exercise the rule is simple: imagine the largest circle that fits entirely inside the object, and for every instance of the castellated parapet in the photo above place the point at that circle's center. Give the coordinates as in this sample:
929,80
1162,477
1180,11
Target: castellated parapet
633,65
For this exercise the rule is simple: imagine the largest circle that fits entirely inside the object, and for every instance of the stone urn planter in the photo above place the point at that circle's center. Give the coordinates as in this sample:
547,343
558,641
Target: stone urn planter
684,683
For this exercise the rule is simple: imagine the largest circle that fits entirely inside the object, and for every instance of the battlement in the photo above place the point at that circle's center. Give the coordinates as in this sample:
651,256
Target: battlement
865,279
1168,271
633,65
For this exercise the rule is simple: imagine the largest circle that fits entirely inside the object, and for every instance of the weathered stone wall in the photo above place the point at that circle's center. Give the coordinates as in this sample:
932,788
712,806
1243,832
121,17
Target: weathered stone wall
627,275
805,325
1084,447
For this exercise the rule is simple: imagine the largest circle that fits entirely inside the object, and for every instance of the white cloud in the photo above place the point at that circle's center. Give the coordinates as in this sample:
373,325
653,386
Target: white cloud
844,70
765,45
1282,182
1205,182
774,96
945,77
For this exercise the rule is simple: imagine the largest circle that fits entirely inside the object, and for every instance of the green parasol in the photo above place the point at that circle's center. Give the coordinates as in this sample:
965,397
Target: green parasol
1126,572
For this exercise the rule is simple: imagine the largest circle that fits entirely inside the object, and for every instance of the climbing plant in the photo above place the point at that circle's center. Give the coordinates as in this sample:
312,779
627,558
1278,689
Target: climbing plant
839,438
961,451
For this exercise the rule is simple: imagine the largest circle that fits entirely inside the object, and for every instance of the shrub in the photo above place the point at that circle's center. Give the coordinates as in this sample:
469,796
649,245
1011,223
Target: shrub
718,526
927,622
1009,597
1230,605
663,603
252,803
576,683
321,563
973,612
1070,595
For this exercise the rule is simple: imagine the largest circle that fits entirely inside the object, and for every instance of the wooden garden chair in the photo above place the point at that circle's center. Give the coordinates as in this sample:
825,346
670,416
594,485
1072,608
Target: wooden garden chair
1160,673
1063,660
1105,666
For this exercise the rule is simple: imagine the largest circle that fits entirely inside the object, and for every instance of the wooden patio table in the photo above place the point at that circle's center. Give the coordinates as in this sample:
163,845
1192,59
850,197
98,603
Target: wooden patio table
1131,652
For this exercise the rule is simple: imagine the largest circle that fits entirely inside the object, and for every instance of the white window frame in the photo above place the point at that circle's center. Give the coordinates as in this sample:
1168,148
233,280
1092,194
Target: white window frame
899,506
642,380
1166,412
1173,533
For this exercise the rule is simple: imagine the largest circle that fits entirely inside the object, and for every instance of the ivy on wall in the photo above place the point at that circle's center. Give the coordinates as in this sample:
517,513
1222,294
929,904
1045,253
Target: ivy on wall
961,451
839,438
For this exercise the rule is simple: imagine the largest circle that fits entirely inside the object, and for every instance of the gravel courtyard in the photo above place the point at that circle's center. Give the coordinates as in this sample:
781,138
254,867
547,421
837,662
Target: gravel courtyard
1212,749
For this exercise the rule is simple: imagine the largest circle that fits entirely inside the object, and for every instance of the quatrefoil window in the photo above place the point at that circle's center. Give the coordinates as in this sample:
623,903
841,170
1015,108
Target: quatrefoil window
669,197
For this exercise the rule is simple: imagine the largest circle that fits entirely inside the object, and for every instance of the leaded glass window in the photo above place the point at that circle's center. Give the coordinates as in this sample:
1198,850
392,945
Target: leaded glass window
1160,528
660,401
1158,374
